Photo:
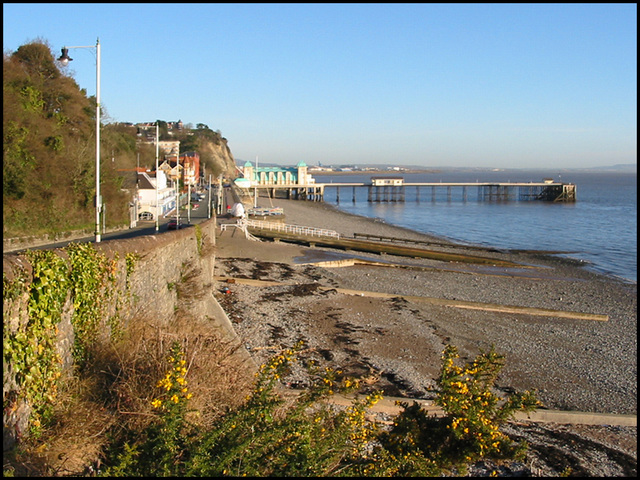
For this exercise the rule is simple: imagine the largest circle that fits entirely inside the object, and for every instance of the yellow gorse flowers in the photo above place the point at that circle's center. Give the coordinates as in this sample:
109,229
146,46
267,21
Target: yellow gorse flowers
174,383
475,411
269,435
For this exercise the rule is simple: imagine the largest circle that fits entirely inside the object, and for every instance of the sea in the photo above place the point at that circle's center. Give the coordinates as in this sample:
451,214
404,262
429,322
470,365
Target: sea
599,228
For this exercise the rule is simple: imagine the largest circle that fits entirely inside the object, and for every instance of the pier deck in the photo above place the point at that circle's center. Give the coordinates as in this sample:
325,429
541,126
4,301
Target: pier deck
486,191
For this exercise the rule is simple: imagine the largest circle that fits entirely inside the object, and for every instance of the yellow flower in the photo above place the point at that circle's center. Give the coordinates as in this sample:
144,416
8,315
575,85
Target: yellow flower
157,403
175,399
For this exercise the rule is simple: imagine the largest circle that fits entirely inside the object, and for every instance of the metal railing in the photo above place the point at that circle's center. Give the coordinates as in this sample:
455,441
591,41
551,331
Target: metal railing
293,229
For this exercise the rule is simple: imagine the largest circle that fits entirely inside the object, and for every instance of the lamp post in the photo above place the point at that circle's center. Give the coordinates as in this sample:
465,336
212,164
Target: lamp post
157,180
178,188
65,59
209,200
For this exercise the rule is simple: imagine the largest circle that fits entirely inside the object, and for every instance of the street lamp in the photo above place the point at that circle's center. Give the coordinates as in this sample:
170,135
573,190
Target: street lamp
157,179
65,59
178,188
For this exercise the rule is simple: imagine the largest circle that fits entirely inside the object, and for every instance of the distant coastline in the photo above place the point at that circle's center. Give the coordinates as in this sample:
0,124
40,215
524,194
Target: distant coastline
359,169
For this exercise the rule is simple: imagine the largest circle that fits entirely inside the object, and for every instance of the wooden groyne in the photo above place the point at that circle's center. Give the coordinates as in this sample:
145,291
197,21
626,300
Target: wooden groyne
330,239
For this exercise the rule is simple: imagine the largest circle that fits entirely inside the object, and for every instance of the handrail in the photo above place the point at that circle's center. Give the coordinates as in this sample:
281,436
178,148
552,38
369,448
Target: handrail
294,229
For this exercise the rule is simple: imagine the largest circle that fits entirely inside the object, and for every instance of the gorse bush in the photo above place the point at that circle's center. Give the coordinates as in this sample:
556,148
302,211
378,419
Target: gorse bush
271,434
469,431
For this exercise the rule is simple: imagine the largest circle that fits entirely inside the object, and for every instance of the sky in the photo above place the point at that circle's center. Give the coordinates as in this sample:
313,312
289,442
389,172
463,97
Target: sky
431,85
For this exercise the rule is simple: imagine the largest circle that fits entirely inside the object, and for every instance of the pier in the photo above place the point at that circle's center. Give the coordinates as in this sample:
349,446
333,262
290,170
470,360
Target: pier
395,190
298,184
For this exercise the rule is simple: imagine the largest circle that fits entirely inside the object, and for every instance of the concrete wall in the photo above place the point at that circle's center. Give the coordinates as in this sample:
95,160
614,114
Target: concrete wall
162,262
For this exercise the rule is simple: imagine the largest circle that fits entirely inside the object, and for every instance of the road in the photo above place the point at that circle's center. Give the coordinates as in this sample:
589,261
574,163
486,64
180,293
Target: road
144,227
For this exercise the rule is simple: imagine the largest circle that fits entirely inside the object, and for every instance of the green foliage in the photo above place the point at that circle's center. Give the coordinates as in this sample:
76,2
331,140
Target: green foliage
32,99
470,430
12,289
30,350
163,128
55,143
48,150
18,162
164,440
130,261
199,238
90,275
269,436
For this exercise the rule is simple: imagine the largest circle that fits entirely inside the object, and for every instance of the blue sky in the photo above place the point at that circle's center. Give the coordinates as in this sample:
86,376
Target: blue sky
436,85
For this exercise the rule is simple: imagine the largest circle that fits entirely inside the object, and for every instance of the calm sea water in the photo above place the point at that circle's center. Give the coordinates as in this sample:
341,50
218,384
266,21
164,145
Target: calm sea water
600,228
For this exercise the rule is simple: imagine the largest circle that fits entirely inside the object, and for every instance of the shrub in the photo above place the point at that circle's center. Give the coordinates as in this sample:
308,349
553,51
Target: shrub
469,431
270,435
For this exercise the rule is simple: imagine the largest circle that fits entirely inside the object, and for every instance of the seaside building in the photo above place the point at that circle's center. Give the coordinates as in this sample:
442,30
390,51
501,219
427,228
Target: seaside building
298,175
294,182
147,207
385,181
187,170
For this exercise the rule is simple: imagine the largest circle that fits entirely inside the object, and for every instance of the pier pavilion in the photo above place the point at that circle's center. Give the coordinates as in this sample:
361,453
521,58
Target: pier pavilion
296,182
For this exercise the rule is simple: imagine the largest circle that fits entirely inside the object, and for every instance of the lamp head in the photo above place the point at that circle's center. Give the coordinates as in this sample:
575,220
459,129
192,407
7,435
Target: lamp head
65,58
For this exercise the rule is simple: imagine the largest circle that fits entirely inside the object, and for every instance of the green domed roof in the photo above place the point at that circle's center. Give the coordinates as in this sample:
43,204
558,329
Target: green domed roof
248,164
301,164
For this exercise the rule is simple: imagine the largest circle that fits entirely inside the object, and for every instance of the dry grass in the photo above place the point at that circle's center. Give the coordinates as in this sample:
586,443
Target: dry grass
114,393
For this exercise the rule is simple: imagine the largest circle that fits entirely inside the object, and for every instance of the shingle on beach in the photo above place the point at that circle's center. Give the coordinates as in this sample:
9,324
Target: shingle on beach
396,341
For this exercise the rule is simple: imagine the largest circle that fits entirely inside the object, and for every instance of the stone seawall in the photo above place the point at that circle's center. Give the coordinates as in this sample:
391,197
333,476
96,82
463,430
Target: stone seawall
153,288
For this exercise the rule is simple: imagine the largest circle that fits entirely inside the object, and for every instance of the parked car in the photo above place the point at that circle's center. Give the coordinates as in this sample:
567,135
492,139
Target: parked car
174,224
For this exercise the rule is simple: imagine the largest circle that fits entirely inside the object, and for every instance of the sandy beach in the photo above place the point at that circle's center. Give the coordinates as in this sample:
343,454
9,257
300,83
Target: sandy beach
567,333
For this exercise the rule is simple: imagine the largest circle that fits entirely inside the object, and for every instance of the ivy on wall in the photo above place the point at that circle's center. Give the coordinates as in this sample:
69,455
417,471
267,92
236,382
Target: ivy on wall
29,348
90,276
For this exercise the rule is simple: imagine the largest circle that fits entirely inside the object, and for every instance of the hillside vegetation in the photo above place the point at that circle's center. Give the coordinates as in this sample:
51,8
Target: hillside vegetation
48,166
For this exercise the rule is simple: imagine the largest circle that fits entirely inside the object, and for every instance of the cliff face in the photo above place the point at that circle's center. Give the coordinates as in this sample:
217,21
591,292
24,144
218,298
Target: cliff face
218,159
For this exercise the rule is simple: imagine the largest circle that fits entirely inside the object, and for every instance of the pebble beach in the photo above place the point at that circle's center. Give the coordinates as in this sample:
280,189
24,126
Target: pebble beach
387,318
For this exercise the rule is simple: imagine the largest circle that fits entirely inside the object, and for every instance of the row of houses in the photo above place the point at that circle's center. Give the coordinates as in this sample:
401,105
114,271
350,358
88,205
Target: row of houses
165,181
156,193
186,168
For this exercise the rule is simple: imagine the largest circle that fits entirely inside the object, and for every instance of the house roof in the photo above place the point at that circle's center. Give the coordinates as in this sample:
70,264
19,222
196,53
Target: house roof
129,180
144,182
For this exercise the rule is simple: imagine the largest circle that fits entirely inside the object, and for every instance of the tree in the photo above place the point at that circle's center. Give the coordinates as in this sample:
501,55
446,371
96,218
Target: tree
48,149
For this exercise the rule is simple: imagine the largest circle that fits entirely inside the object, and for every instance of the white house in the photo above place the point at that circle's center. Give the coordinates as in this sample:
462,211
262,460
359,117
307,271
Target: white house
147,196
